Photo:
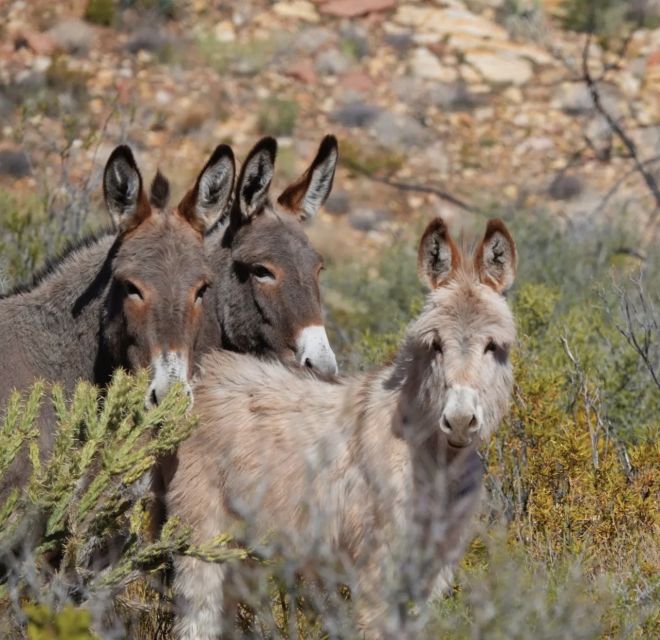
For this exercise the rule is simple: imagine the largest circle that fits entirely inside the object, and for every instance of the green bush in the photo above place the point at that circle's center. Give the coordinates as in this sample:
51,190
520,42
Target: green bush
277,117
568,541
101,12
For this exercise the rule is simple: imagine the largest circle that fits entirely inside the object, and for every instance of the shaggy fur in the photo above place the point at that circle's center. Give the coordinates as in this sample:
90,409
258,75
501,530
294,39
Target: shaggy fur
376,476
112,302
267,272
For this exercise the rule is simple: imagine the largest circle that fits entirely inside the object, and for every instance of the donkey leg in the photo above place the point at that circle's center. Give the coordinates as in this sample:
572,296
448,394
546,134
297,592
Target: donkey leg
198,589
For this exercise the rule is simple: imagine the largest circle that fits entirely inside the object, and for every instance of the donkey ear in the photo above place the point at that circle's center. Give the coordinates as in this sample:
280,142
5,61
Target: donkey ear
496,257
205,203
438,256
254,180
306,195
122,190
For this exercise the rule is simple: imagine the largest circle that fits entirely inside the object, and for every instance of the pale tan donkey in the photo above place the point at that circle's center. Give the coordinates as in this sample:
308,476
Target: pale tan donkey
375,477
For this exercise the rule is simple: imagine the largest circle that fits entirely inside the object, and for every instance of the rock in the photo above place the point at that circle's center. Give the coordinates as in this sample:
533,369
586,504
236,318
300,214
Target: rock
398,131
364,219
399,40
73,36
447,22
452,95
338,202
41,43
332,62
436,159
224,32
355,37
424,64
357,81
565,187
496,69
355,8
355,114
573,98
599,134
6,106
299,9
644,9
303,71
14,163
147,39
313,39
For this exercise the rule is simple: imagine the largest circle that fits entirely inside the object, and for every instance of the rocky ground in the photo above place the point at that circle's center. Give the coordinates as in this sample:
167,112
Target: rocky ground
483,99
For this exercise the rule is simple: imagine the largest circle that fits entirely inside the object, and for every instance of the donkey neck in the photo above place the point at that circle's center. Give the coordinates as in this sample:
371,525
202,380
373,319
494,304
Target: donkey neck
57,323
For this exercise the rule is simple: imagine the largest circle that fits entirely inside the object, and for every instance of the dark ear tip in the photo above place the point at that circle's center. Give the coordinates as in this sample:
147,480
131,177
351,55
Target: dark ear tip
328,145
437,225
494,225
267,144
123,151
221,151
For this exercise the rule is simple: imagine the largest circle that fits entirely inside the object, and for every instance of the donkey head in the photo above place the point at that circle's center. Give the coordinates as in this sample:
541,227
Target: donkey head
462,379
159,271
271,297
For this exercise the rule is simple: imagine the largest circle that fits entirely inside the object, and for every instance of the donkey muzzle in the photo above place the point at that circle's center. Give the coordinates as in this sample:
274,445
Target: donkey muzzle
168,368
462,416
313,350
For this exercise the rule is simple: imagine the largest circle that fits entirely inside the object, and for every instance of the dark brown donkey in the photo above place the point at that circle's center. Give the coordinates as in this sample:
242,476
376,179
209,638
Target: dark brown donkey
131,298
266,300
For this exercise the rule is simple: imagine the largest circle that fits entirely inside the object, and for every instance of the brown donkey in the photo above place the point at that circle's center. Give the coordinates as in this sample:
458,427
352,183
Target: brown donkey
374,477
266,298
131,299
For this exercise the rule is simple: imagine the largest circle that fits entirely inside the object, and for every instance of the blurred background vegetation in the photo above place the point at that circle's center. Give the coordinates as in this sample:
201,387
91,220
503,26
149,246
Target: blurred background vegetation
567,544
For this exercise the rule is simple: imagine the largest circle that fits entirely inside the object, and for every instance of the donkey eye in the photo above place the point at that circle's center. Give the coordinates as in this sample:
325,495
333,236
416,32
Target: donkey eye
491,346
199,296
263,274
132,291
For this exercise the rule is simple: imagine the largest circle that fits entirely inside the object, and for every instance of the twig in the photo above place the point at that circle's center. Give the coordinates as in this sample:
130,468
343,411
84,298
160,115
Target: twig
643,345
419,188
617,185
616,127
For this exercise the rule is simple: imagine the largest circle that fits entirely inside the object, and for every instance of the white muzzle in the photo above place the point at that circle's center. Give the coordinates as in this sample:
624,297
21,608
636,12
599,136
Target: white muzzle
313,350
167,368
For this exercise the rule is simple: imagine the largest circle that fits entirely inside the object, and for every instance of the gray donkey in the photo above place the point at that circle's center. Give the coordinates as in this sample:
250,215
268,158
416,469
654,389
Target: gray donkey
266,298
131,298
373,479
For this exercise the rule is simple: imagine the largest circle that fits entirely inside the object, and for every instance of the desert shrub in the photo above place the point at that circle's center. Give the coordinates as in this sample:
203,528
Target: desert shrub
572,481
85,501
163,8
37,226
277,117
100,12
607,19
23,248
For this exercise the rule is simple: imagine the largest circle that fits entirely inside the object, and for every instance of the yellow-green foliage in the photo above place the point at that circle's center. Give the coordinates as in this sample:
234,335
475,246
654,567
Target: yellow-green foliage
572,475
573,472
79,503
70,623
277,117
100,12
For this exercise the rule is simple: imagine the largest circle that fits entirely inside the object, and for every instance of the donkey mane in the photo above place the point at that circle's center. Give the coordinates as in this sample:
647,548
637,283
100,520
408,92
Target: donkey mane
159,193
52,264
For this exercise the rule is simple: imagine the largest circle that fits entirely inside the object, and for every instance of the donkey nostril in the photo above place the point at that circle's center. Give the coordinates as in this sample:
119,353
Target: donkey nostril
308,363
446,423
473,422
154,398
